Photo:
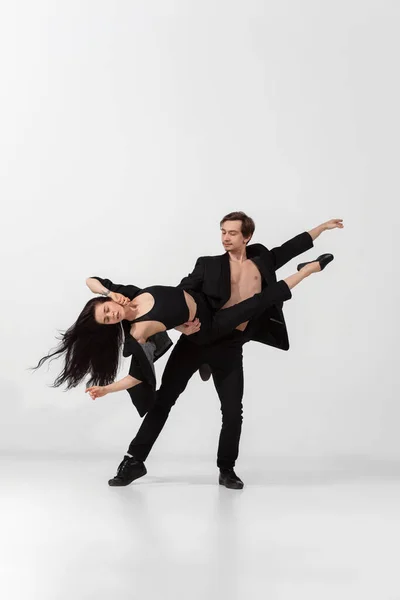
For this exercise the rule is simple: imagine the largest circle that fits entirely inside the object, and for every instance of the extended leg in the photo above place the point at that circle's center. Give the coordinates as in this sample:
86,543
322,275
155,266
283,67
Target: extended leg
185,359
227,319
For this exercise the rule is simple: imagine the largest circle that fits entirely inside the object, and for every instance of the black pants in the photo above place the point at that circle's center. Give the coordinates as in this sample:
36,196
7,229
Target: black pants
225,358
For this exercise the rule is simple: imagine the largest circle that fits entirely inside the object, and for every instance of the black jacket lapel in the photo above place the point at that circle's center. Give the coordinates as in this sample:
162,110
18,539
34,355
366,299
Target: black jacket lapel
225,282
265,272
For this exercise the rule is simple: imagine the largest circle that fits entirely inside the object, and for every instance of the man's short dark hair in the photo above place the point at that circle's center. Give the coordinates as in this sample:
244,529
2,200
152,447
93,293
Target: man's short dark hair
248,225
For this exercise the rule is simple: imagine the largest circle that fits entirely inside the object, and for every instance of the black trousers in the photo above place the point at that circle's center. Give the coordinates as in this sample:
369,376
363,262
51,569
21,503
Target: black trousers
225,358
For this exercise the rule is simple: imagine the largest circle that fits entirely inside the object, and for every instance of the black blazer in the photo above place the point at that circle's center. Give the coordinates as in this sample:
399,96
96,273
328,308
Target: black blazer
212,276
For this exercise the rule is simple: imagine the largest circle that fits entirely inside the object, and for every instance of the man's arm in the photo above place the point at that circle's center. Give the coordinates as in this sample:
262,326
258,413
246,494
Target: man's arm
301,243
189,327
297,245
194,281
331,224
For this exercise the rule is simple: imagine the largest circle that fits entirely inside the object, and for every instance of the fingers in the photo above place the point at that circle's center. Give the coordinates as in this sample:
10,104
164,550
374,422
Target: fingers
332,223
191,323
194,328
120,299
196,325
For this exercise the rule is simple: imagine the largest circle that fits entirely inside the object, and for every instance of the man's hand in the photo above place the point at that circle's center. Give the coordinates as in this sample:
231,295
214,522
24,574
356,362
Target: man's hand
96,391
333,223
119,298
189,327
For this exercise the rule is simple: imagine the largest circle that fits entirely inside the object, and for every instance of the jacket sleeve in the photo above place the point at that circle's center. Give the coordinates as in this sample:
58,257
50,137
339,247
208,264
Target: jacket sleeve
297,245
162,343
194,281
130,291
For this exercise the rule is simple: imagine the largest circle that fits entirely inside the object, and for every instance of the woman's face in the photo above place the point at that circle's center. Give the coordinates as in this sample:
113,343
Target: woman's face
109,313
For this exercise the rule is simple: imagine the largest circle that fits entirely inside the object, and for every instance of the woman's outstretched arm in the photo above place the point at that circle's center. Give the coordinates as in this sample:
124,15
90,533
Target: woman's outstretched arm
97,391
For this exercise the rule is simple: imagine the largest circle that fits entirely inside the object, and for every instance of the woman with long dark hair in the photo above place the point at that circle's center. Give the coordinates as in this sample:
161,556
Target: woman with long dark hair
92,345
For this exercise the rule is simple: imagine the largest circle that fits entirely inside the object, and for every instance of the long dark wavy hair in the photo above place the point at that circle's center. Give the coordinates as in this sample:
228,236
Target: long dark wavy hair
89,348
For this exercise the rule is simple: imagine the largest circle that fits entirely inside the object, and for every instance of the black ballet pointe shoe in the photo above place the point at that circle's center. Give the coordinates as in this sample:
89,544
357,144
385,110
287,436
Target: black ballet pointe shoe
205,372
323,260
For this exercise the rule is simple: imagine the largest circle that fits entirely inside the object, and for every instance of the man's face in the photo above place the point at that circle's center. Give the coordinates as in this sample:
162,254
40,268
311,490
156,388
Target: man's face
232,237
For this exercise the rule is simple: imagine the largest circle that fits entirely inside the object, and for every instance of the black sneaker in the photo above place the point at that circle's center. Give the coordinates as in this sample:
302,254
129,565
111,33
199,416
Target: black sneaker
205,372
229,479
129,470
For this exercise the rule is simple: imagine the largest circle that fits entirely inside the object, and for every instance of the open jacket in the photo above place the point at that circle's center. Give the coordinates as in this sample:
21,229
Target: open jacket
212,276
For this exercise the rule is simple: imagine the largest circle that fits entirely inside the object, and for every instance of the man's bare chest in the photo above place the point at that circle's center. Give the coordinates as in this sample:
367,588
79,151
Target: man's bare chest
245,279
244,273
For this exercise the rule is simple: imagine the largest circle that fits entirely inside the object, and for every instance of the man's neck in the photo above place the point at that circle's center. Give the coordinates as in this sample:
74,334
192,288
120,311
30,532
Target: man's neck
239,256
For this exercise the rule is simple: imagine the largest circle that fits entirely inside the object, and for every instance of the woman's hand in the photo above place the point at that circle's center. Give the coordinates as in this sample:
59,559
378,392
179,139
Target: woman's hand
119,298
96,391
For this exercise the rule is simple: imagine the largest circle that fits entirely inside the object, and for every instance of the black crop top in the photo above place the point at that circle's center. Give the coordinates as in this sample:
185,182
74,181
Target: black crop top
169,308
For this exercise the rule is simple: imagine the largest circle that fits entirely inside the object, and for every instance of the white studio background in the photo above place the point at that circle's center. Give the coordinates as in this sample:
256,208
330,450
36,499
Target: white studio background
128,129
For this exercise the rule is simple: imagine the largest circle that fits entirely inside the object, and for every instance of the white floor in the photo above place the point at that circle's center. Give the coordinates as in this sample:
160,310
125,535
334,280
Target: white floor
292,533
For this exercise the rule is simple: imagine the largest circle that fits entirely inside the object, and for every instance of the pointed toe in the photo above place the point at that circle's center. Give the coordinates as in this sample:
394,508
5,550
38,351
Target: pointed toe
323,259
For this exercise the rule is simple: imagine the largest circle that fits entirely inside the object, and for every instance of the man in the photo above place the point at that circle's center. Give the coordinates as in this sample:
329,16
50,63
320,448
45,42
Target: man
242,271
